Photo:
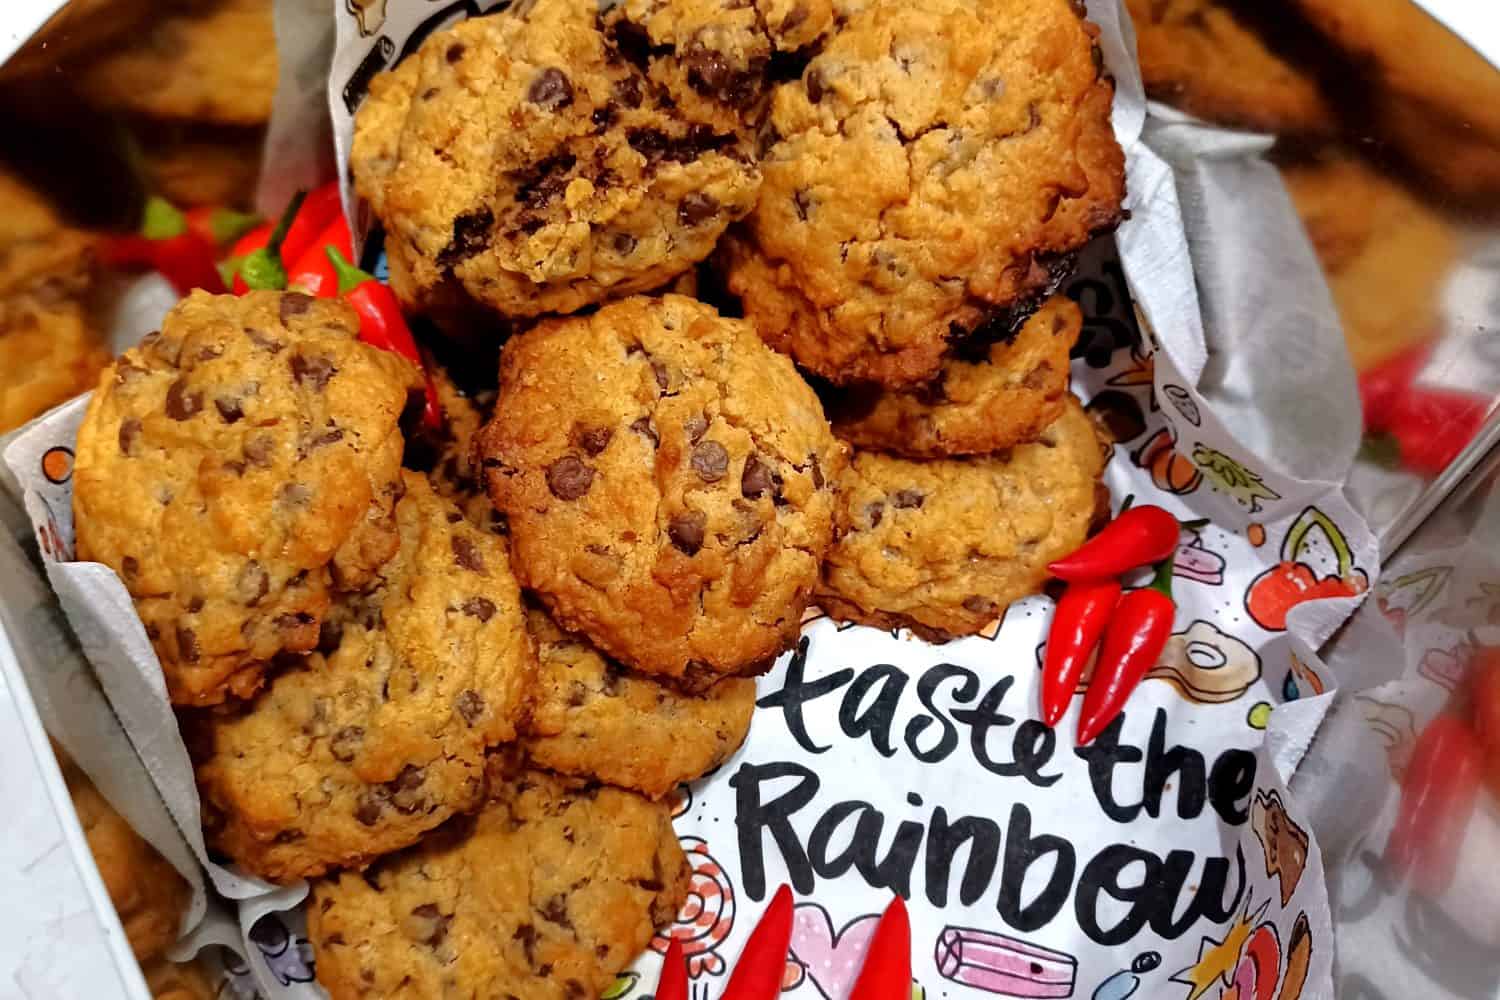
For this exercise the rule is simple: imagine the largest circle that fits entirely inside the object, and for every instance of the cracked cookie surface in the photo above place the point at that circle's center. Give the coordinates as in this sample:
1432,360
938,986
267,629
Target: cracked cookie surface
531,163
943,547
593,719
932,171
551,890
380,736
668,480
973,407
235,468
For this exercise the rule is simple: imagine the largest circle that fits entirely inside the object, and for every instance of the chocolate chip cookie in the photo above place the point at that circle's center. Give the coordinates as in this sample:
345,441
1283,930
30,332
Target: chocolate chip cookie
974,406
234,469
1384,252
146,891
380,736
209,62
546,894
668,481
944,547
1207,58
603,183
593,719
931,172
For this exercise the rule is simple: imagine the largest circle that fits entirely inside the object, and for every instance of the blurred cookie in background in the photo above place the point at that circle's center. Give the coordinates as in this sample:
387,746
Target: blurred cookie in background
213,62
80,26
1208,58
174,981
1384,252
191,164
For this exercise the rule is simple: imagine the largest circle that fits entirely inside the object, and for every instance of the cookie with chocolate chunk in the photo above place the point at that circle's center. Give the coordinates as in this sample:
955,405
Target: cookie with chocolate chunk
930,173
551,890
604,183
236,468
943,547
974,406
382,734
593,719
668,480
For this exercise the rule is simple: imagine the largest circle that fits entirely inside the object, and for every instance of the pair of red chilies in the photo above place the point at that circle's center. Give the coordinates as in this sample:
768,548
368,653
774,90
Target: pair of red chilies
314,238
1130,630
886,974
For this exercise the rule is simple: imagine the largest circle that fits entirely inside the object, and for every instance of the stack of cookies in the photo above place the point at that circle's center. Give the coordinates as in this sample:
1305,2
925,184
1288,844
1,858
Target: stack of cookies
457,694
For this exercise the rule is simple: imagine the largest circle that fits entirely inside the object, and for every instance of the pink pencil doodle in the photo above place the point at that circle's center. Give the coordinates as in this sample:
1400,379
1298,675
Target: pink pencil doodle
1196,563
1445,667
830,961
707,916
1004,965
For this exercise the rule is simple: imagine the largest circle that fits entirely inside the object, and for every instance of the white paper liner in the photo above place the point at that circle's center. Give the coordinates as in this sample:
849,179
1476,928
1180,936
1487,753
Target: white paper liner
1212,257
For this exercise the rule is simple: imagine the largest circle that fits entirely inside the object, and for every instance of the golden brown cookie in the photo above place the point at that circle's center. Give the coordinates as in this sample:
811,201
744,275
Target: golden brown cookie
973,407
593,719
381,736
178,981
943,547
1203,57
49,334
604,184
932,170
1384,252
211,62
547,894
191,164
1434,98
147,892
233,470
668,481
80,26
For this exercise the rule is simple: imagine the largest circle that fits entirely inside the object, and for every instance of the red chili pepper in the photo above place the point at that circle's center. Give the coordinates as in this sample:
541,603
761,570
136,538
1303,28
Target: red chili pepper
1438,796
262,269
673,984
166,244
314,273
1383,384
1081,616
1140,536
229,267
762,964
316,211
1431,426
886,974
219,226
381,323
1137,633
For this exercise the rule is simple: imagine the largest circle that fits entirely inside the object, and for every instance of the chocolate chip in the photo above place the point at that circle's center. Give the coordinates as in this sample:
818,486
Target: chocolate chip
569,478
814,83
710,460
479,607
294,494
230,409
628,91
686,531
550,89
555,910
293,304
545,181
470,705
695,427
182,404
875,512
266,343
194,605
623,244
466,554
817,472
368,811
187,644
979,605
697,208
593,439
208,352
907,499
659,370
604,117
309,445
471,236
314,371
642,426
406,788
527,935
345,743
129,566
130,430
429,925
803,203
258,450
455,52
794,17
757,478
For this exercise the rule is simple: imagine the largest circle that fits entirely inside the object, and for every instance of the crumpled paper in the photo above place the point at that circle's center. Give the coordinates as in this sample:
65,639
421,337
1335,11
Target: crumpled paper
1168,859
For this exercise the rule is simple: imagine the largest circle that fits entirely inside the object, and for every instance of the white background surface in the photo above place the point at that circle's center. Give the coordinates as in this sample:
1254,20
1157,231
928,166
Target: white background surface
56,940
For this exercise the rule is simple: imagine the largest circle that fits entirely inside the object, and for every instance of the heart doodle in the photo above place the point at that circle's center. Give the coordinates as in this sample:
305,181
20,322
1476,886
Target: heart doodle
830,961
